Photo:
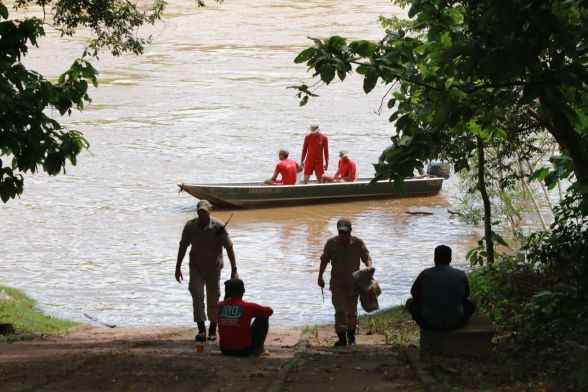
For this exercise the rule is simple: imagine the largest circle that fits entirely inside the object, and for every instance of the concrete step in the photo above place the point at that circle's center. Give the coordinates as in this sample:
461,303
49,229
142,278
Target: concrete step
474,340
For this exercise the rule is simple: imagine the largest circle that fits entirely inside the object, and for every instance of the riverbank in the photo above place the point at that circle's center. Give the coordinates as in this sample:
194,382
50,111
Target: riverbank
385,358
157,359
126,359
20,318
113,359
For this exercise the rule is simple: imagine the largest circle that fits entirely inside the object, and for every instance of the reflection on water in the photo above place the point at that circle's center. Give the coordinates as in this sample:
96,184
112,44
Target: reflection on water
208,102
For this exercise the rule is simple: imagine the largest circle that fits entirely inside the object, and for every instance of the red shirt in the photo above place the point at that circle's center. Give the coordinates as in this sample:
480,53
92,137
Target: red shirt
234,322
287,168
315,146
347,169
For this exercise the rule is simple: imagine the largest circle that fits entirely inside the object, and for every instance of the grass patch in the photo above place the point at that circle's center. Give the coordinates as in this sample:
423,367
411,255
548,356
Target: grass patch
395,323
21,311
310,331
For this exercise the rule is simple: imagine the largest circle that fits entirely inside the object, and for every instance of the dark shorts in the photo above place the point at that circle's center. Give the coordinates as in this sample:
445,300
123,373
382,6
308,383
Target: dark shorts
415,307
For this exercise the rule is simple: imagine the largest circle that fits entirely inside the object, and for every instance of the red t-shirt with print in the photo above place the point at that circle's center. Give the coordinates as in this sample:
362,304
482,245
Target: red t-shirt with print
234,322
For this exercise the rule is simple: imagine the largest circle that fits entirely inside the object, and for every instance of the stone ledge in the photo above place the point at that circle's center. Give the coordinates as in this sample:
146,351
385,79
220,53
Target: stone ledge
474,340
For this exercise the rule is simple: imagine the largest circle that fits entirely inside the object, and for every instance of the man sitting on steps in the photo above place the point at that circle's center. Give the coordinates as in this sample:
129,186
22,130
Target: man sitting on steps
238,335
440,295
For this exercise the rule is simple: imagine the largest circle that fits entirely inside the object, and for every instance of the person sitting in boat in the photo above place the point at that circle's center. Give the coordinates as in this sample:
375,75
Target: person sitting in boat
287,168
315,147
346,171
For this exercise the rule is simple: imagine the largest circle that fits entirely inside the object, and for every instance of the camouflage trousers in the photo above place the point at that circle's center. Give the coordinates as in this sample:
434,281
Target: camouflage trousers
200,280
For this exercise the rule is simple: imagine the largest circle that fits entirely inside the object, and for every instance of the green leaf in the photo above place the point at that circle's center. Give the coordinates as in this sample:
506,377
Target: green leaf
336,43
540,174
477,130
327,73
305,55
362,69
499,133
394,116
497,238
370,80
363,48
446,41
3,11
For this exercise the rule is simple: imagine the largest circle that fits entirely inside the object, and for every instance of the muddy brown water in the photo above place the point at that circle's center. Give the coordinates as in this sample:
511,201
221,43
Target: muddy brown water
208,101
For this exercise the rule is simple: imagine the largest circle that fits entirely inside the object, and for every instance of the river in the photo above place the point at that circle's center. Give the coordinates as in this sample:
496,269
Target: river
208,101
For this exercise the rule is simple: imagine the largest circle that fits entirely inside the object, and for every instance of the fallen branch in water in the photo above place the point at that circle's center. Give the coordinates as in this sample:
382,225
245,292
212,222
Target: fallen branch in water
455,213
419,212
100,322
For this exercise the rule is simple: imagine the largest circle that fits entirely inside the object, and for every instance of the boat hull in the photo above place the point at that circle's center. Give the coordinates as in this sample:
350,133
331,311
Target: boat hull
256,195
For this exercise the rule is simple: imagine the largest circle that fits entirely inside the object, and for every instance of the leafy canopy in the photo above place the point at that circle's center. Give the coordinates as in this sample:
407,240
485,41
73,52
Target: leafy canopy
31,139
456,70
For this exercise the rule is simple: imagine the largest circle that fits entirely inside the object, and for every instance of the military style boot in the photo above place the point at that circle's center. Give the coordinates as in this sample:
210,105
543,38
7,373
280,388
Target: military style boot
212,332
351,337
342,342
201,335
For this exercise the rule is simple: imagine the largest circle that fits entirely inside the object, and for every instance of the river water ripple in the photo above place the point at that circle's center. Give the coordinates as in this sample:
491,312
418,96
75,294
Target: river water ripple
208,102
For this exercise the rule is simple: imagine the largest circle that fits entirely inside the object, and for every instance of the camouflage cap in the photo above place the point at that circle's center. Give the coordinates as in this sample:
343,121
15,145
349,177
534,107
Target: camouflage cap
343,224
203,205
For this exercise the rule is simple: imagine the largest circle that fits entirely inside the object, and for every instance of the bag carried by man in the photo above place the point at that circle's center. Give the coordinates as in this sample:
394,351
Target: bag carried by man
368,288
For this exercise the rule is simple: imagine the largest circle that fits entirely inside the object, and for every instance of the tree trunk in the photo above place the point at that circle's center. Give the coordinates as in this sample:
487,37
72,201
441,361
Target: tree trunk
568,139
486,200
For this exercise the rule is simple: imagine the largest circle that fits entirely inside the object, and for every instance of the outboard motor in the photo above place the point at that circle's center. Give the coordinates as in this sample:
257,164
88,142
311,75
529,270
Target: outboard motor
438,169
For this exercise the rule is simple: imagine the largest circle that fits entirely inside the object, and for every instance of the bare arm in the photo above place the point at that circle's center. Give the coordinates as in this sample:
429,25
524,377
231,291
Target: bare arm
365,255
181,253
368,262
231,254
322,268
325,259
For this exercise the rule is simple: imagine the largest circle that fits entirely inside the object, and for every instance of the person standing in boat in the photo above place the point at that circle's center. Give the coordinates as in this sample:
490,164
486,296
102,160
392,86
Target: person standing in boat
315,147
287,168
346,171
207,236
344,252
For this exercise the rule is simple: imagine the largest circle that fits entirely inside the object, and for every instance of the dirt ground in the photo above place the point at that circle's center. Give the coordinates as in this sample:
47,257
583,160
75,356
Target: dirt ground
158,359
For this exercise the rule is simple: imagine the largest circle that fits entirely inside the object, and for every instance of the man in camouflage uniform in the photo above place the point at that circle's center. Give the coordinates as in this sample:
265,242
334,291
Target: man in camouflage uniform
207,236
344,252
